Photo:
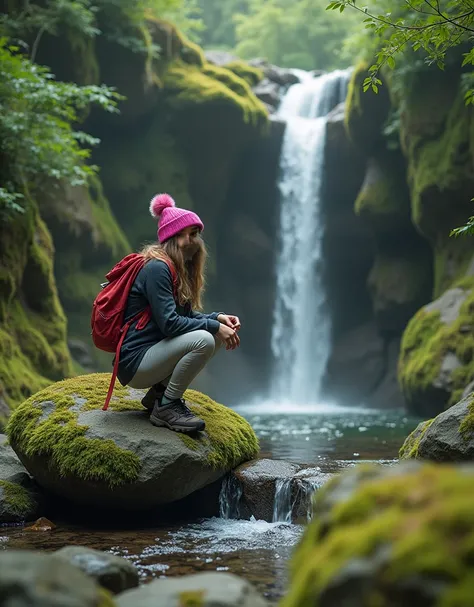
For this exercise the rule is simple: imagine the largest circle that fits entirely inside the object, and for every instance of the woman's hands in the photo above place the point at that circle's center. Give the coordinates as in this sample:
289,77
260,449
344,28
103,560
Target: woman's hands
228,331
230,320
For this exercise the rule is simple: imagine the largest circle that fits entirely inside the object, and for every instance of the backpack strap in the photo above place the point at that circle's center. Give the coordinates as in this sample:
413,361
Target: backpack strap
124,331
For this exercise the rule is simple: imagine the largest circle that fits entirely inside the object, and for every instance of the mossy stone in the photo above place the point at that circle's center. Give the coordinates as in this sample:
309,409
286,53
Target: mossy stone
437,351
381,535
117,457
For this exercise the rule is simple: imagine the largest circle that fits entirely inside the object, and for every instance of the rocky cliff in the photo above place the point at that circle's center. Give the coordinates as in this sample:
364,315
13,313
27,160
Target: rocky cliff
416,141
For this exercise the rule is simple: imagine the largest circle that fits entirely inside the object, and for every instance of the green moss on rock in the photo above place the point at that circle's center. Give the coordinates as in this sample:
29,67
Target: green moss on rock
409,449
17,499
191,86
252,75
33,349
426,342
228,439
440,175
399,529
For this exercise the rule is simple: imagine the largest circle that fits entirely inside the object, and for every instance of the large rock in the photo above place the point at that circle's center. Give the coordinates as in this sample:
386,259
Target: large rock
109,571
436,358
273,490
449,437
29,579
203,589
388,535
116,458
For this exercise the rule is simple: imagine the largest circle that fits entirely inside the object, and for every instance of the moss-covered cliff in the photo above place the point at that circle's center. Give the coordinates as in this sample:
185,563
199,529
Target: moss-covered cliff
33,350
418,184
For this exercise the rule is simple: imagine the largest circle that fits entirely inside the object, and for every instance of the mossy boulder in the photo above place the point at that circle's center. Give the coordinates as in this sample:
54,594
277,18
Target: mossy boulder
446,438
33,348
31,578
437,352
366,112
17,503
381,535
116,458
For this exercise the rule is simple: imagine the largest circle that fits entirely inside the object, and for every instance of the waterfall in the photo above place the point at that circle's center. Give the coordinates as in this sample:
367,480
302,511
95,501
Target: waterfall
301,324
282,505
229,498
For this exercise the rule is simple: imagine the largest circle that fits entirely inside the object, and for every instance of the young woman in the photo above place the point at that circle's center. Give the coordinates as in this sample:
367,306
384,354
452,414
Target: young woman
178,341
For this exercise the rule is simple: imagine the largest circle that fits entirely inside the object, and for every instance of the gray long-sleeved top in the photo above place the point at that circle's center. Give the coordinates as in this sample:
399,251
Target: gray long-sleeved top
153,286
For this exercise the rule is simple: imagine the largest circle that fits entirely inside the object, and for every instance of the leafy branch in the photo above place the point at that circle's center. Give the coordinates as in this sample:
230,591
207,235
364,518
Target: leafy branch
431,25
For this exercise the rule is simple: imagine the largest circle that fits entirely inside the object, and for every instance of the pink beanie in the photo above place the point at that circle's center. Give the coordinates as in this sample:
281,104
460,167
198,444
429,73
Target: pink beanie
172,219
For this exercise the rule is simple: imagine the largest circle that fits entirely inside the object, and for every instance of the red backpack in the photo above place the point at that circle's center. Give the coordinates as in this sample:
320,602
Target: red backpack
108,309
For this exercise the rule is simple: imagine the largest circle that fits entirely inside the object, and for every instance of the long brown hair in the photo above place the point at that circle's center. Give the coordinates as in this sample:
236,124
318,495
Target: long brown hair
190,274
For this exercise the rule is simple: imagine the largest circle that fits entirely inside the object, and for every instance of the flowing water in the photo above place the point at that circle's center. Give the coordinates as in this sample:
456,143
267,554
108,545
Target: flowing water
301,324
326,437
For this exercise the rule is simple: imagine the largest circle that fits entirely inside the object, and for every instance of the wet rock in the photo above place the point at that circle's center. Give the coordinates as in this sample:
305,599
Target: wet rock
203,590
449,437
273,490
109,571
30,579
388,532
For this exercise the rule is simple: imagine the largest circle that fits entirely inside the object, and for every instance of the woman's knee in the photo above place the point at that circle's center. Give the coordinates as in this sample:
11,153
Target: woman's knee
204,342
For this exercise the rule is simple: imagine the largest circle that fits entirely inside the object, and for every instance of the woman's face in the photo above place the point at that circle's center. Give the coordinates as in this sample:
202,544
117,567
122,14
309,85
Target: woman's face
188,241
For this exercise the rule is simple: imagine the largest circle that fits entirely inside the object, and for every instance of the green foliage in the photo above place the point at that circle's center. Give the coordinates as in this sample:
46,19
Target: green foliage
419,25
296,33
118,20
218,21
36,118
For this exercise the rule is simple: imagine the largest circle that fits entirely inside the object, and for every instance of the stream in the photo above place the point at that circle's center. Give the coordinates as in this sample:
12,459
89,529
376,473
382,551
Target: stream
329,437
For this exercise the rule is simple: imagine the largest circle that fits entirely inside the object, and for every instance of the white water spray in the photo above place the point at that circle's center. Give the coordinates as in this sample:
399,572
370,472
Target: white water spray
301,323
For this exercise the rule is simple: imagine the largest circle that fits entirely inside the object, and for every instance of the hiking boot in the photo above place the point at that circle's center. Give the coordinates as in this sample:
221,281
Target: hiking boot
176,416
154,393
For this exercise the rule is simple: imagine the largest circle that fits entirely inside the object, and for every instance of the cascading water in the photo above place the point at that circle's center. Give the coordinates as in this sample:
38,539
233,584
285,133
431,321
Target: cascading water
301,324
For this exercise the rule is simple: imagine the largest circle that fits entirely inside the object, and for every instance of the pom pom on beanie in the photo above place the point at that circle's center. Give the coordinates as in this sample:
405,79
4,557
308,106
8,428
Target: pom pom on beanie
159,203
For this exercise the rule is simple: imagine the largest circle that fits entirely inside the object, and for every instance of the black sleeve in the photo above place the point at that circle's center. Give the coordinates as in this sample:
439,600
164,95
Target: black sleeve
159,292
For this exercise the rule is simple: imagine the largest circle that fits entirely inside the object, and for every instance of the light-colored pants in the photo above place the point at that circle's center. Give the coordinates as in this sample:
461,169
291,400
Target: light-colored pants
175,361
